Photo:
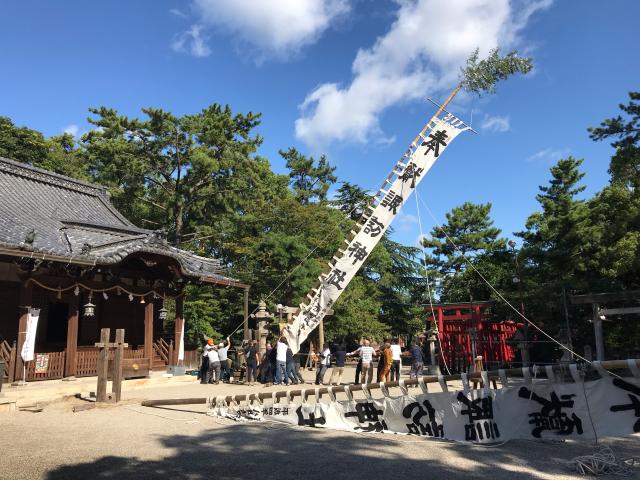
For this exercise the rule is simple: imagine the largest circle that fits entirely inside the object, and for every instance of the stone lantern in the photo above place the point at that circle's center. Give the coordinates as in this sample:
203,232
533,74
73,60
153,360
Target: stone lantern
262,317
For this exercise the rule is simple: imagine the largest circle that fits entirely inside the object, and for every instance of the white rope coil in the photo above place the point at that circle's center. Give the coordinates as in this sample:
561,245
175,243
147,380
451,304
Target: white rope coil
603,462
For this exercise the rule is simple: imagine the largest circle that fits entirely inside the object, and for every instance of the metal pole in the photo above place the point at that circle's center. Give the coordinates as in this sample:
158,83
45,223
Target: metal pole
566,319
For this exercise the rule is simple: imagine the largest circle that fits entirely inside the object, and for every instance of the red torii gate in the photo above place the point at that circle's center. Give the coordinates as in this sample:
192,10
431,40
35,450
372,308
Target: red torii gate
467,331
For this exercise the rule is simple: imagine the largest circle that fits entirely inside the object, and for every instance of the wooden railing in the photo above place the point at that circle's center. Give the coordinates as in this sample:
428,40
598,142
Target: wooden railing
162,349
5,351
8,356
87,359
55,368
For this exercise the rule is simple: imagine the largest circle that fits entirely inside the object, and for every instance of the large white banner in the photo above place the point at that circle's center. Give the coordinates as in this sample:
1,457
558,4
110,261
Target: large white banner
540,410
420,157
27,353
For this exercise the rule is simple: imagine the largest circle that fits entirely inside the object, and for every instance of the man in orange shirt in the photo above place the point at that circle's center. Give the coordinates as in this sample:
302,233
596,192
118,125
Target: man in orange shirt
388,362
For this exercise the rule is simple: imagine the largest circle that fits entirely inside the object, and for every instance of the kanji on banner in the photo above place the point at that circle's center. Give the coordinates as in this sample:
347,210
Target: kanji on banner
607,407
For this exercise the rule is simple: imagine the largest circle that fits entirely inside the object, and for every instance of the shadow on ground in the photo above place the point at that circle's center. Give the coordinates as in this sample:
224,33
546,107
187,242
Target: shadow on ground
259,451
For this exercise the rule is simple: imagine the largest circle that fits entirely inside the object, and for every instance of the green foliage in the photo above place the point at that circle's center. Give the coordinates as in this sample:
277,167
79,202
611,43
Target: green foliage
481,76
168,171
309,179
21,143
471,229
625,163
351,200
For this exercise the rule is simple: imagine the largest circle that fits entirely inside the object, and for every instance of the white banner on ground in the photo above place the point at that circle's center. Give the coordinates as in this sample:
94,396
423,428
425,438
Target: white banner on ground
606,407
28,347
420,157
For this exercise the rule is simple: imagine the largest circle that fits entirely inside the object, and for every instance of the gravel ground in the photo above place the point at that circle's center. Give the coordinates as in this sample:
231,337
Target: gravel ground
133,442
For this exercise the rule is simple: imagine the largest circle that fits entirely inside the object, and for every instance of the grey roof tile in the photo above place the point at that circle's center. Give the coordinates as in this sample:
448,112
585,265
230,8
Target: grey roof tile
67,214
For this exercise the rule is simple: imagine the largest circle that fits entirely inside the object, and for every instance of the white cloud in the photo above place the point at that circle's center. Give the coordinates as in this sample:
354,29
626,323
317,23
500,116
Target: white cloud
496,124
72,129
422,52
178,13
192,42
405,222
549,154
275,28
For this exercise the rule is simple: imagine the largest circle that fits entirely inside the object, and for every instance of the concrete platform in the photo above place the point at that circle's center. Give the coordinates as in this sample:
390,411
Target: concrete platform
47,391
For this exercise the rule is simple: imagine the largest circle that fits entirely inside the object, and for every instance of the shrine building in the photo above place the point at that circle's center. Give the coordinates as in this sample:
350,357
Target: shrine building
65,250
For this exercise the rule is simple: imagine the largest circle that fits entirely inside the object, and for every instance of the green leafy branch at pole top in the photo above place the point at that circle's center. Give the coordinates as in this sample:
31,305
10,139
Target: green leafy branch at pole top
481,76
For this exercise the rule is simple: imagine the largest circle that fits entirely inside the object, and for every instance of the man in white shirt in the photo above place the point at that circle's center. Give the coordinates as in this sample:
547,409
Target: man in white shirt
366,353
224,361
281,362
323,364
396,351
213,374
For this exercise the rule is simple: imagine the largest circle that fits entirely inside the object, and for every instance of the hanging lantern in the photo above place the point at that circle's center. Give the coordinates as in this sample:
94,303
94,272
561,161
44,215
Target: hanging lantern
142,299
89,308
162,313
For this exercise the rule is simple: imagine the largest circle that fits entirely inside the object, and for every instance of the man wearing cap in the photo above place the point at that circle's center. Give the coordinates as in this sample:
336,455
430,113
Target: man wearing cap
204,366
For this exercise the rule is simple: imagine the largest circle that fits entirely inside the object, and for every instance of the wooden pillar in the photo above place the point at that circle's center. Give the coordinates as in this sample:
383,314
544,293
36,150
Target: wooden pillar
72,338
26,298
148,332
116,386
246,334
178,329
103,365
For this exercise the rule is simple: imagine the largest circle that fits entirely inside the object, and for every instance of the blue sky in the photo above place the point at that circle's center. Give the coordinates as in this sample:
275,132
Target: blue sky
345,78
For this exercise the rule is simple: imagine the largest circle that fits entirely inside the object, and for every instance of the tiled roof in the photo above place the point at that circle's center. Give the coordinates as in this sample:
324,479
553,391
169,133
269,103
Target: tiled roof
70,219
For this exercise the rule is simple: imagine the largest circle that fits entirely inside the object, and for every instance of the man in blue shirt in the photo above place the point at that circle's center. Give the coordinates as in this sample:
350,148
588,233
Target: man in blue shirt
417,360
340,356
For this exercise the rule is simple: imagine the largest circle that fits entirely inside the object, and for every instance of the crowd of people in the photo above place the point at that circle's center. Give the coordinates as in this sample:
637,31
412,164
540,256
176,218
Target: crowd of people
279,365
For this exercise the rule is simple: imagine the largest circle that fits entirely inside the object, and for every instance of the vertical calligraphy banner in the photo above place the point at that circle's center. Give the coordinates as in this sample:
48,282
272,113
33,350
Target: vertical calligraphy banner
403,180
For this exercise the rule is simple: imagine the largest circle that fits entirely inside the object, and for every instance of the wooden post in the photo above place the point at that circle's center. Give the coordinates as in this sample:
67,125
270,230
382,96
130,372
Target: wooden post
26,298
170,354
12,362
173,359
246,335
148,332
72,339
103,365
597,329
320,335
116,386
